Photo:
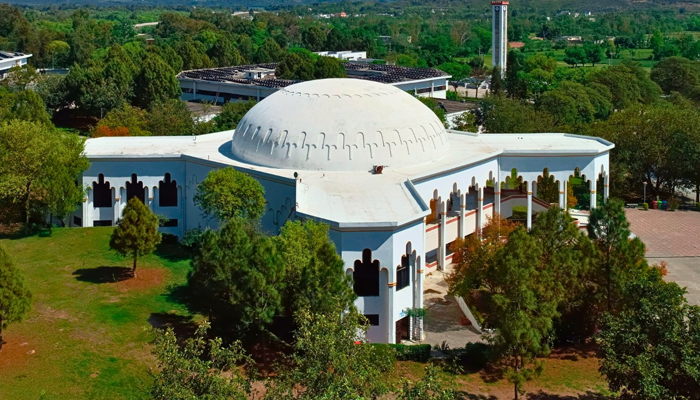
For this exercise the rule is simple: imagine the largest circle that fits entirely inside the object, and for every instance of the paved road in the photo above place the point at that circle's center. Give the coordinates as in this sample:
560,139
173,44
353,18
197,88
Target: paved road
444,321
685,271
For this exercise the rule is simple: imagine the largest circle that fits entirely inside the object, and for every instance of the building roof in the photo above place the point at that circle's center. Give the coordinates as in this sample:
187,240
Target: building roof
339,125
333,178
371,72
454,106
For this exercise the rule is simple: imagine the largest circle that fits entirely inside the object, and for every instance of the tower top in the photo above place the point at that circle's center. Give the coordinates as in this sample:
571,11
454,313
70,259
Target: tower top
499,3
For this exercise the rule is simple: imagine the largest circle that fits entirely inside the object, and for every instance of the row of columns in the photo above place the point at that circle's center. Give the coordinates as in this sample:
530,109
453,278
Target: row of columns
531,192
119,201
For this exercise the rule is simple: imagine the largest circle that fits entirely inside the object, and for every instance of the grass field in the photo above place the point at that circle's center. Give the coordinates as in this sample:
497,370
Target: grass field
641,56
87,336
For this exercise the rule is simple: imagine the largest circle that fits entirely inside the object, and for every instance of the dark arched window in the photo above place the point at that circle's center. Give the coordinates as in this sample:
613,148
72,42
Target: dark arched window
167,192
101,192
366,275
403,273
135,189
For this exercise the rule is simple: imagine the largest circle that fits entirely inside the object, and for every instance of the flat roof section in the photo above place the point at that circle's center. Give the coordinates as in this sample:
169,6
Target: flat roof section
373,72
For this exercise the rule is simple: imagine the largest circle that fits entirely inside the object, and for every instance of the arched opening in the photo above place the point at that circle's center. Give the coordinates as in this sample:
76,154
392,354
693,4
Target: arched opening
167,192
135,189
547,187
403,272
366,275
101,192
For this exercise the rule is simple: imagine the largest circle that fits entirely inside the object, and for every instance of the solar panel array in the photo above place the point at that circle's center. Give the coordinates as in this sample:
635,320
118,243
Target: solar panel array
372,72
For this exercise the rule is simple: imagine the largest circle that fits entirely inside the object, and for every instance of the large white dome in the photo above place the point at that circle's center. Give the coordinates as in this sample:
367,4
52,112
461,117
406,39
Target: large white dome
339,125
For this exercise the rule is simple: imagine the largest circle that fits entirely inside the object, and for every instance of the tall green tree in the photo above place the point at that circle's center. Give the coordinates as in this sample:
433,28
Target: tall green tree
316,279
62,194
156,82
618,257
226,193
331,360
170,118
15,296
651,349
232,113
137,233
238,276
25,105
199,369
35,162
329,67
678,74
523,320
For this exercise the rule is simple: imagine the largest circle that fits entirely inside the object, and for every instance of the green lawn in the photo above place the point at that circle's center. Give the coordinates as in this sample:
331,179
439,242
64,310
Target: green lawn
87,336
641,56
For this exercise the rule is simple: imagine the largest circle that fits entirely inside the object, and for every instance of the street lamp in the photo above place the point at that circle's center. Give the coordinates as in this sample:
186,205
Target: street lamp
645,192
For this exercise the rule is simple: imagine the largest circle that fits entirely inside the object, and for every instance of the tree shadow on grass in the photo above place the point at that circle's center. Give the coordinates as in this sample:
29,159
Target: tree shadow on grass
585,396
469,396
183,325
103,274
171,249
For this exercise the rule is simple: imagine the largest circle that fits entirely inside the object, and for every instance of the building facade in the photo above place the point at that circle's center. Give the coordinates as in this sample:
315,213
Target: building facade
395,187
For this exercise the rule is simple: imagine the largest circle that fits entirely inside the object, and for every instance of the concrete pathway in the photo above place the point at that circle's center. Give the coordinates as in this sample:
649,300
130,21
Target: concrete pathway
444,321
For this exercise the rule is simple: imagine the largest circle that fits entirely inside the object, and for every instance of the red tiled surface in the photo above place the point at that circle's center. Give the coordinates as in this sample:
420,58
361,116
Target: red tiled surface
667,233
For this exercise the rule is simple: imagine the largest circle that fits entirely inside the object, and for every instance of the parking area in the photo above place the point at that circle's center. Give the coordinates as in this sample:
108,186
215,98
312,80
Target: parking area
674,237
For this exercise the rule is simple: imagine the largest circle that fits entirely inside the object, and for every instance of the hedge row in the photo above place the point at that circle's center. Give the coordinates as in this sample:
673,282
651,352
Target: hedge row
418,352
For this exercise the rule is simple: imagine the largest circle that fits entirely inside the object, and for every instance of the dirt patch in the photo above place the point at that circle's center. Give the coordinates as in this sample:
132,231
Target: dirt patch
123,278
17,351
144,279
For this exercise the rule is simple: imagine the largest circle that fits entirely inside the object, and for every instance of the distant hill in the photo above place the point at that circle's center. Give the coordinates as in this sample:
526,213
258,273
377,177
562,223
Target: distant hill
530,5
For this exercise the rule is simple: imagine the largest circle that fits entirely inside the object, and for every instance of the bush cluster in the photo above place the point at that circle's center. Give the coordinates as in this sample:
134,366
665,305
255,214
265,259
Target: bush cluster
418,352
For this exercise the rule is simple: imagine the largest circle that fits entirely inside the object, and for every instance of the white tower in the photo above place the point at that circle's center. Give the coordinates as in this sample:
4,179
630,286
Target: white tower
499,47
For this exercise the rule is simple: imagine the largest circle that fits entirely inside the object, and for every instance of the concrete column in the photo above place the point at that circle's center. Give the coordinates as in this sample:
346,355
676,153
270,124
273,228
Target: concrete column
534,188
419,286
562,194
462,205
497,200
391,322
479,210
529,207
593,195
115,205
148,194
442,250
606,189
88,207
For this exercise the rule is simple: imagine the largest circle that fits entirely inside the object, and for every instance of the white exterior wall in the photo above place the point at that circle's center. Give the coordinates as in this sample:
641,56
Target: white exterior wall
188,173
388,247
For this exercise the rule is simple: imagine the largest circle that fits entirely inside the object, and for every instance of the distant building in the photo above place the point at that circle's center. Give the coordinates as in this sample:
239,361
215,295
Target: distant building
11,59
256,82
516,45
500,34
346,55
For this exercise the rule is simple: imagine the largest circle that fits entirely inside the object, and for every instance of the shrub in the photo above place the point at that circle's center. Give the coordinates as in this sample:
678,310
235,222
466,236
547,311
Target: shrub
475,356
645,206
697,205
673,204
418,352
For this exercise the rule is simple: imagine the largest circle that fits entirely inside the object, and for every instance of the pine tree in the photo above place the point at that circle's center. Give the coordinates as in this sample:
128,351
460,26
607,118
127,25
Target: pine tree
137,233
497,82
617,256
15,297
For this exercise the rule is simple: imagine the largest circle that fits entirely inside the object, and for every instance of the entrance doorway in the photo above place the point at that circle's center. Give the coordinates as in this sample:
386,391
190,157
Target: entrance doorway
402,329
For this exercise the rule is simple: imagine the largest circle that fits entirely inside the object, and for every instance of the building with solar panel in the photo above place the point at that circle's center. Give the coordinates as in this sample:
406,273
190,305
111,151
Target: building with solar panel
258,81
395,187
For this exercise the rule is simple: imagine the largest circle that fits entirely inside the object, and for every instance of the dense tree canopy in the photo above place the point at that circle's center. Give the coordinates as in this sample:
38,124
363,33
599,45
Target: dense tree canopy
227,193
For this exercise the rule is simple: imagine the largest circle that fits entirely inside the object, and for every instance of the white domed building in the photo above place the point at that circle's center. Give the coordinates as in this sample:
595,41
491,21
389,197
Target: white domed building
371,161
